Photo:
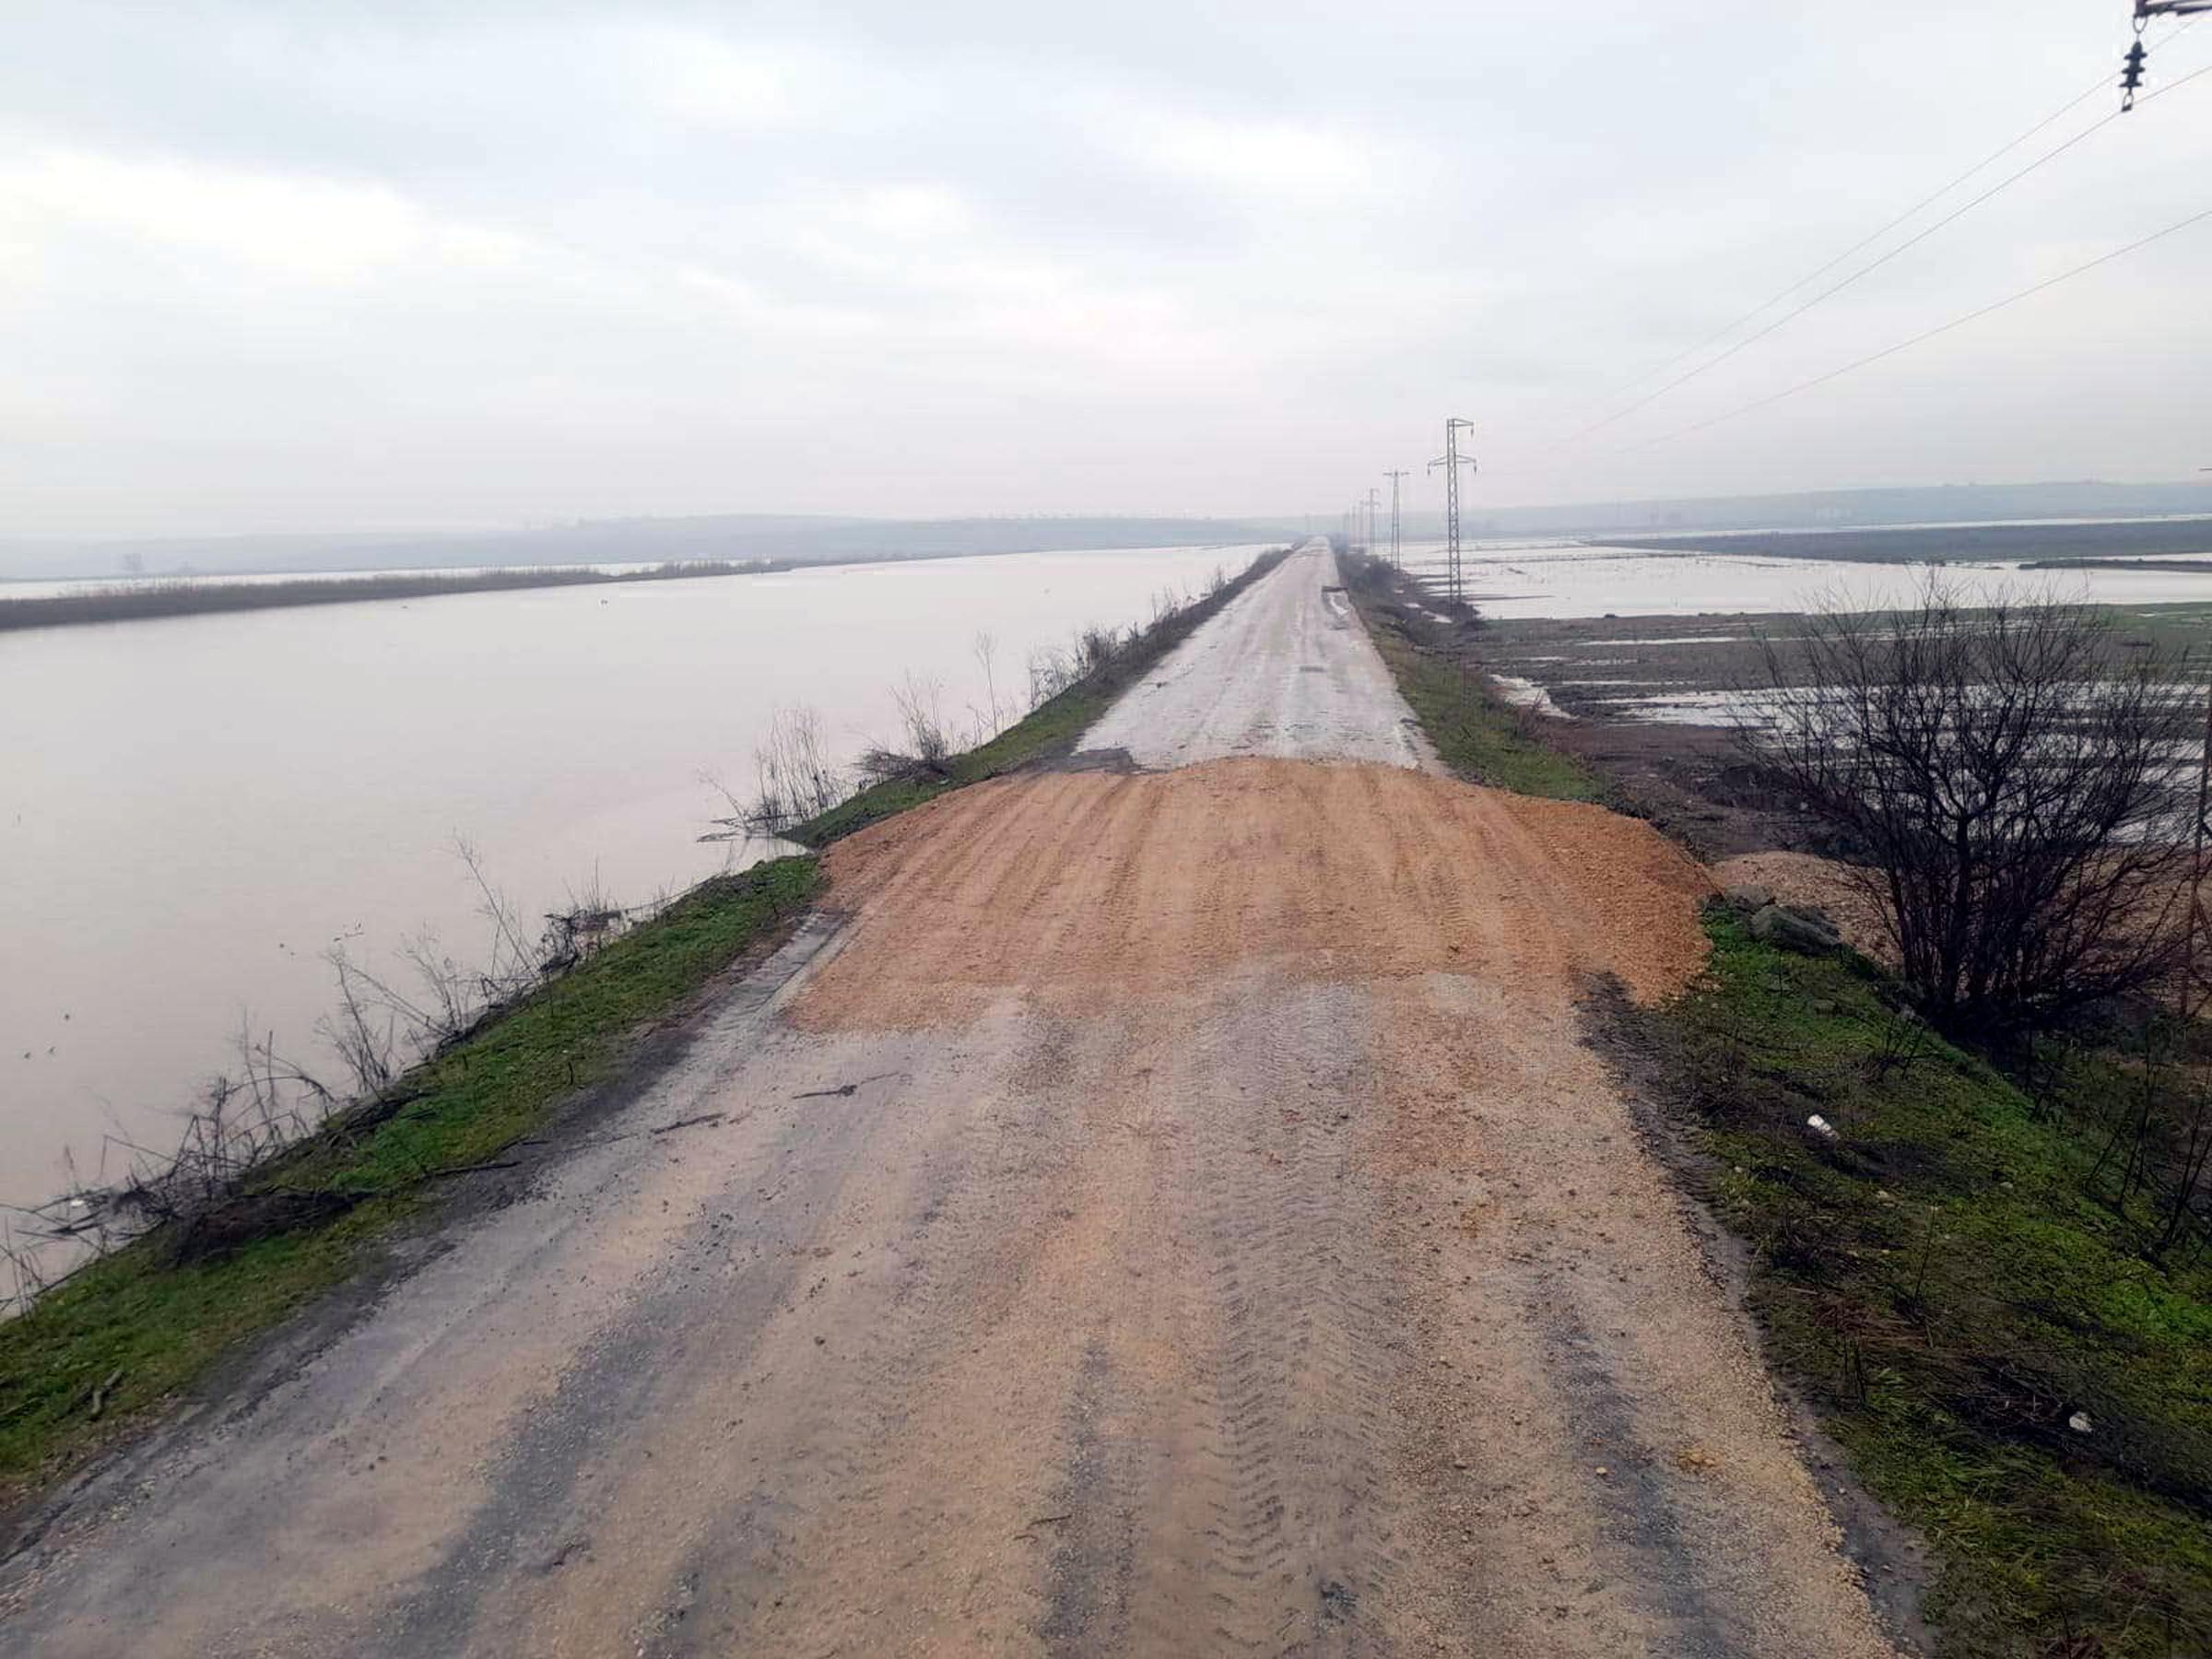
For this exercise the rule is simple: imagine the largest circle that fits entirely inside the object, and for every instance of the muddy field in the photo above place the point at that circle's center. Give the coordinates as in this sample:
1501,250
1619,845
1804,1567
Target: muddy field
1652,702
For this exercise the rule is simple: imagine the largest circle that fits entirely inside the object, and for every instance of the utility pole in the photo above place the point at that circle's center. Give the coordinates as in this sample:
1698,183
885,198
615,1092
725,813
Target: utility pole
1451,461
1373,502
1397,551
2131,73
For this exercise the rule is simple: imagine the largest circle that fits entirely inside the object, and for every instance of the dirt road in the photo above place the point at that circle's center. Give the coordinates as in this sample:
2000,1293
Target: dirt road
1164,1213
1287,670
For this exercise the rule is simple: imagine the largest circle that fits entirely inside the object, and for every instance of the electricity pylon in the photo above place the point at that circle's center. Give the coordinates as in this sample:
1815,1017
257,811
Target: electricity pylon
1398,551
1372,502
1451,461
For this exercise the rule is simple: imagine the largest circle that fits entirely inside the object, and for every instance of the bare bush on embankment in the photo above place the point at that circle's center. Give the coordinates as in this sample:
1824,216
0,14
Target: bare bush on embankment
137,1324
2007,787
381,1027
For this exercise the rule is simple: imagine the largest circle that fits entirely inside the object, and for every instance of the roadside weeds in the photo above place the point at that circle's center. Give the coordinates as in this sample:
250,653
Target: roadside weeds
1476,736
128,1331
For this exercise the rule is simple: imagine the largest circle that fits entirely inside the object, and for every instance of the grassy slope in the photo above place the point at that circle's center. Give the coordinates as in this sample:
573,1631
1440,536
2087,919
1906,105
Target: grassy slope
1952,1295
159,1325
1480,738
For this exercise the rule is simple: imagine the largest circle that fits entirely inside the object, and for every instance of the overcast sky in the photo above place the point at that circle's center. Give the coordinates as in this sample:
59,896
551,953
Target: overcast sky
324,266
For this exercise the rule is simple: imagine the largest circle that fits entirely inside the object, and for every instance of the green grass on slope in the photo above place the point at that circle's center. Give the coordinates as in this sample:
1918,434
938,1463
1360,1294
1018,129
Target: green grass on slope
154,1324
1941,1280
1480,738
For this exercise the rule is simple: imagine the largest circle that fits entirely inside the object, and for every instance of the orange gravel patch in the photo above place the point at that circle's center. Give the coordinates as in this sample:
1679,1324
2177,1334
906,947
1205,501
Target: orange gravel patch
1069,888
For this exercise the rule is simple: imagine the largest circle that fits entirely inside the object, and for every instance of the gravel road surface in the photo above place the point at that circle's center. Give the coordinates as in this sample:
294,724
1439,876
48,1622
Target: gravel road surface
1287,670
1158,1212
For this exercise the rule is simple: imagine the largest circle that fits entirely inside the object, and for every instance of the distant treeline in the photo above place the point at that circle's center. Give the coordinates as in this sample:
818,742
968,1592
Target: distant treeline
2089,540
2119,564
142,601
631,541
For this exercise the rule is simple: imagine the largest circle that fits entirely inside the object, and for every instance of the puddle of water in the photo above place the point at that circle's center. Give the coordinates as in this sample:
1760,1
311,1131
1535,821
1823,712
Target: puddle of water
1526,694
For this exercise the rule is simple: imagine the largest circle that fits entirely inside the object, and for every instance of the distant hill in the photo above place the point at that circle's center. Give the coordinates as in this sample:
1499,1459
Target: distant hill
621,541
1835,509
2075,541
827,539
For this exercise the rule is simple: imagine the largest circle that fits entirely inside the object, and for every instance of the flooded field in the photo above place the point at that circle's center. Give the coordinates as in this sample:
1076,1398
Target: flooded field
195,811
1509,579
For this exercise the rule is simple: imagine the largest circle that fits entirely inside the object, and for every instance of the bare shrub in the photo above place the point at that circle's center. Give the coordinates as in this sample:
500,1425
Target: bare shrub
210,1189
1051,671
364,1030
2004,778
796,779
1095,647
920,703
925,743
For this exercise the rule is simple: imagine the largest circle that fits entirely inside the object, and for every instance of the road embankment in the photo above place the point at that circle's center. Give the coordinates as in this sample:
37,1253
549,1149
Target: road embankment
1149,1211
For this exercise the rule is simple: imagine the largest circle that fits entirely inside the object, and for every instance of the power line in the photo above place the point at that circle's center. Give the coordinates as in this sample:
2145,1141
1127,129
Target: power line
1869,269
1720,333
1919,339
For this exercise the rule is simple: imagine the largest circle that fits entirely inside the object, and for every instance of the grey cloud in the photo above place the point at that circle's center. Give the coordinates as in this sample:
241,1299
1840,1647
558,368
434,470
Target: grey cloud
298,265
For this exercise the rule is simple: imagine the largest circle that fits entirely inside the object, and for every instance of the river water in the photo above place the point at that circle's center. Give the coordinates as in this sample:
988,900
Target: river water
194,811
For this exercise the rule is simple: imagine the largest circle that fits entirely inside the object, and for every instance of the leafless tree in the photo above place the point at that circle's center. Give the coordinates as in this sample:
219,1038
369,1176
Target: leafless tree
512,961
985,647
2005,780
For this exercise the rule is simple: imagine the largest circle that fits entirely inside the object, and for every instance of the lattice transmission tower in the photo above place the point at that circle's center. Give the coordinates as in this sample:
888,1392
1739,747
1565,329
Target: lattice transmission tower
1397,547
1451,461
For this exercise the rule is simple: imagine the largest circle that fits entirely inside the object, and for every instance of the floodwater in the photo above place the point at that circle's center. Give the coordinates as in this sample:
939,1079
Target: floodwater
1548,579
195,810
